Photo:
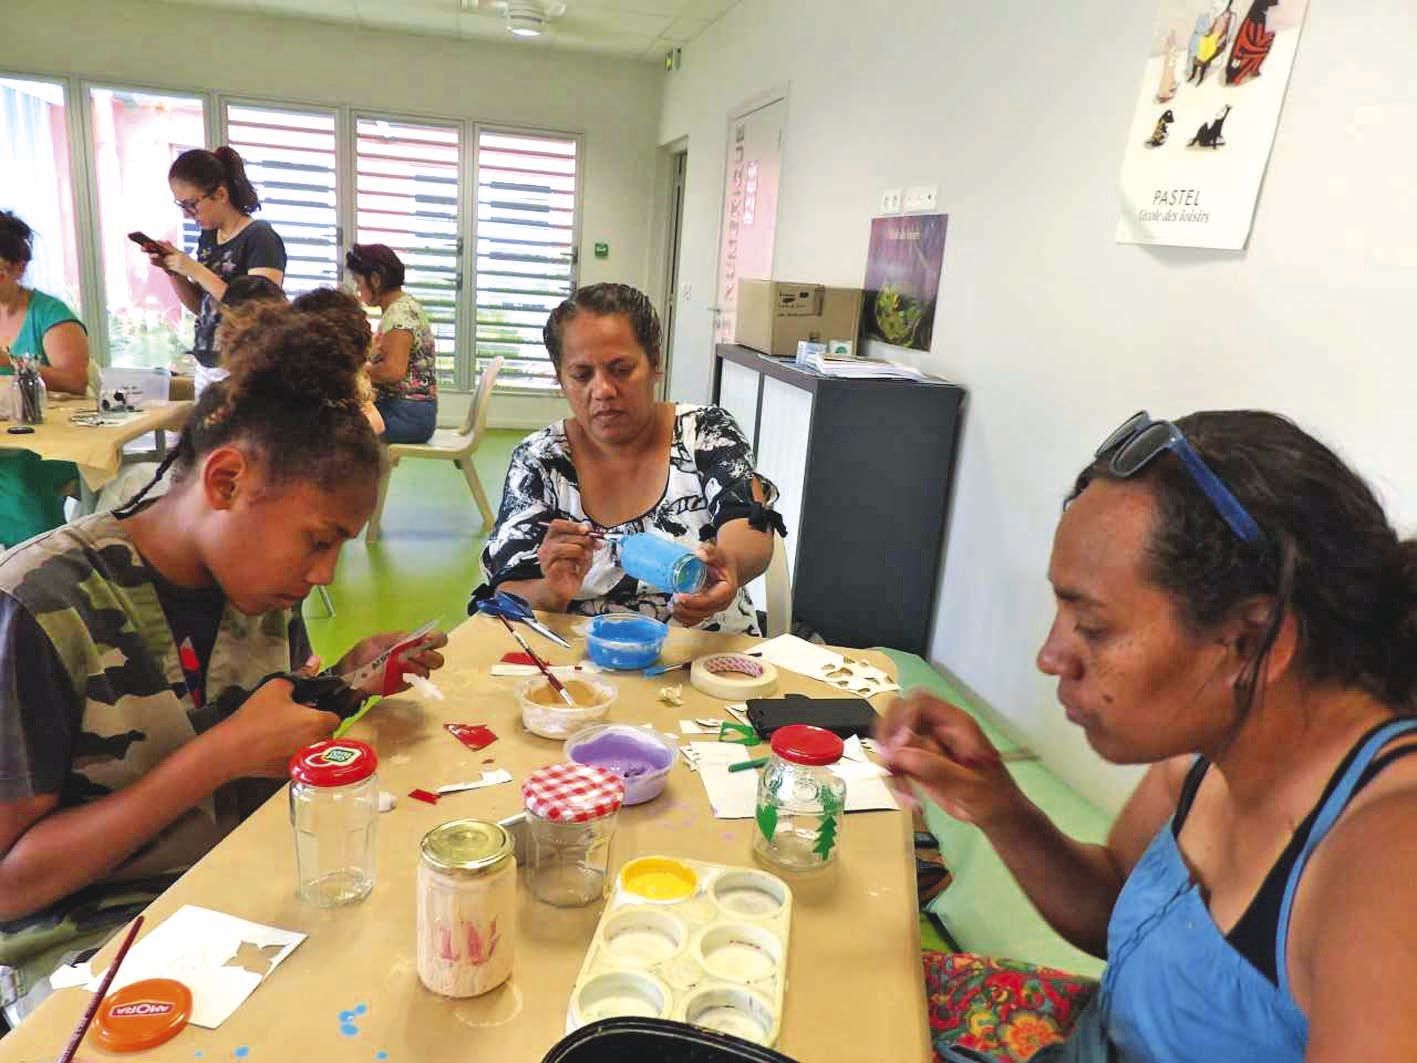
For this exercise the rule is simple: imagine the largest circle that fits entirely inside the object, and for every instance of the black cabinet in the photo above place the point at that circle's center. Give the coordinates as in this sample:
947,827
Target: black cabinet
865,468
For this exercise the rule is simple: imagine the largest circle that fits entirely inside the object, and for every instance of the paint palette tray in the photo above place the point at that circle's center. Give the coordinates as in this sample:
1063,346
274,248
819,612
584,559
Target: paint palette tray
699,943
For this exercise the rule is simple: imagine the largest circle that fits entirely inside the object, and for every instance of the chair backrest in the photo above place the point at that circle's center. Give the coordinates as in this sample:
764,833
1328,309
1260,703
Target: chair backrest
779,590
476,422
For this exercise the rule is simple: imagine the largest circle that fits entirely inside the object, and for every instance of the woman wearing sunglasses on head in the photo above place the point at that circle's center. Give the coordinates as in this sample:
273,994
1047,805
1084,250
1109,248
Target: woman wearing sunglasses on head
1234,610
212,189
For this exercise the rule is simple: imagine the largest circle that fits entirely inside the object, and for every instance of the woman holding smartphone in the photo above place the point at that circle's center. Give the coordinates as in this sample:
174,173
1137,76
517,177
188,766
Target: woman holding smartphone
212,189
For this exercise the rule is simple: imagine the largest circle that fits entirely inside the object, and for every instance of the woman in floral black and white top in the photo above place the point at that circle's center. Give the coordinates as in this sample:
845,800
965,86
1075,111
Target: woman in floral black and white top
627,463
403,363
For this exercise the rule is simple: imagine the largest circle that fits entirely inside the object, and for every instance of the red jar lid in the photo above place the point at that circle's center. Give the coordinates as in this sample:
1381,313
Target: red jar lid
333,762
143,1015
573,793
802,743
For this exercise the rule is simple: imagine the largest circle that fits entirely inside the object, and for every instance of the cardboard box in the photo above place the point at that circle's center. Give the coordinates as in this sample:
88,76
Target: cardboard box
773,316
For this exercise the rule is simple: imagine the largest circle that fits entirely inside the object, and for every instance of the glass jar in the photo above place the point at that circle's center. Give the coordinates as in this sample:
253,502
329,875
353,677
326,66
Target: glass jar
800,800
571,812
467,908
29,396
664,564
334,802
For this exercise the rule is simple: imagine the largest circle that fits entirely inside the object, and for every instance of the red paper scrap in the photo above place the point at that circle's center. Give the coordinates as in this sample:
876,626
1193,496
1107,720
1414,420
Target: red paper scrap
518,658
424,796
474,736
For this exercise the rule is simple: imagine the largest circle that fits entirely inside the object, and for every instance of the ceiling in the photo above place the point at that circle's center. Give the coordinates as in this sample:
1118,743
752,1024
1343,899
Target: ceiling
642,29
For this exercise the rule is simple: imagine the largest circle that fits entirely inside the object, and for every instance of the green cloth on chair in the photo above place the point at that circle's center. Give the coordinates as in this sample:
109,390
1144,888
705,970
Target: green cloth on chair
983,908
30,502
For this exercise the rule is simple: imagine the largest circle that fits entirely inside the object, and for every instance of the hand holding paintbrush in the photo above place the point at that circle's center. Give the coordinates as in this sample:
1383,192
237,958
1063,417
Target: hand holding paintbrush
931,744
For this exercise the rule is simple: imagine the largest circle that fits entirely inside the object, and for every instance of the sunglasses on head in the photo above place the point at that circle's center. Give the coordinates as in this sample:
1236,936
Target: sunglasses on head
1139,440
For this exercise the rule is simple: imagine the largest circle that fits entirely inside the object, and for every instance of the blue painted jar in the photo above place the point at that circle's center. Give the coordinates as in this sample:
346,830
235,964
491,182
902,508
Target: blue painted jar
625,641
662,563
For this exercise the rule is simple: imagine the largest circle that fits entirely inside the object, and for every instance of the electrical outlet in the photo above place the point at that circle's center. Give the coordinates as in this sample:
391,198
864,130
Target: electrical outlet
921,197
890,201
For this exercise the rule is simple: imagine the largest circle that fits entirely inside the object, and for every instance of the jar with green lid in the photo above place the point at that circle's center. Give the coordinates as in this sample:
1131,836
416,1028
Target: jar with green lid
467,908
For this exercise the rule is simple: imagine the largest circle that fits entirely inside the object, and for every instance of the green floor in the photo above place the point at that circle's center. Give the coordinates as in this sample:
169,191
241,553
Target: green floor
426,562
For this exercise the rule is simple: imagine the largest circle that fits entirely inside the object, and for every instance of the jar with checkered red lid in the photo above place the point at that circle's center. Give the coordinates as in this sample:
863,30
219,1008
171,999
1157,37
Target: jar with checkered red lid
570,813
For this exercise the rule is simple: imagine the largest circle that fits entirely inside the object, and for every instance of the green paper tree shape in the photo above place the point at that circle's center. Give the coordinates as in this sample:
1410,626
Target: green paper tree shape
767,819
831,815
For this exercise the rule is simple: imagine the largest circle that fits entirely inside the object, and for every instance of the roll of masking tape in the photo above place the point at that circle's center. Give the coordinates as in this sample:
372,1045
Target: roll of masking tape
733,676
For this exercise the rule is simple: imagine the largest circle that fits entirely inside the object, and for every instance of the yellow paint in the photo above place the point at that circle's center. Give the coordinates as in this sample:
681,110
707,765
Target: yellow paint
657,878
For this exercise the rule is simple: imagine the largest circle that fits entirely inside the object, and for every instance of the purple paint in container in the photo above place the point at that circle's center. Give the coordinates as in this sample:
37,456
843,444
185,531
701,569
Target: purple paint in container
640,755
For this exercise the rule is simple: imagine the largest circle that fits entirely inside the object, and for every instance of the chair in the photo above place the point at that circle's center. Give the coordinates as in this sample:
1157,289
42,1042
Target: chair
636,1040
455,445
777,610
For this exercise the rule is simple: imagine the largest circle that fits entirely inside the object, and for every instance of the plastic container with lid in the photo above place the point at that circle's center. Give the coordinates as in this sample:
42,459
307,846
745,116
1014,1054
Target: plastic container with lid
545,714
625,641
664,564
334,804
467,908
570,813
800,800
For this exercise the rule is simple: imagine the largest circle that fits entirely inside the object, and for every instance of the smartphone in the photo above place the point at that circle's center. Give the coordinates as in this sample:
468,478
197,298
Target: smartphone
146,242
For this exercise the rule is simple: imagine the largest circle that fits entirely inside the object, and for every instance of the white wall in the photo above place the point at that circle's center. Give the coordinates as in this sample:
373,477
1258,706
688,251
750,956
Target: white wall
1018,112
613,102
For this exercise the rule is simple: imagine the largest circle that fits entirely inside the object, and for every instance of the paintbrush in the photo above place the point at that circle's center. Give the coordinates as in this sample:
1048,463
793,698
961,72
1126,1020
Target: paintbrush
605,537
544,668
100,993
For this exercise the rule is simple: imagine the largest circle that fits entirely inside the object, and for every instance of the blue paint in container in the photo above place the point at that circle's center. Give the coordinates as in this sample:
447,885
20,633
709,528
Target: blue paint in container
662,563
625,641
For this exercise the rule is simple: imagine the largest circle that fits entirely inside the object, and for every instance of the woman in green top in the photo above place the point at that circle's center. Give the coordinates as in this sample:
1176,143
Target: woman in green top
36,325
39,326
402,364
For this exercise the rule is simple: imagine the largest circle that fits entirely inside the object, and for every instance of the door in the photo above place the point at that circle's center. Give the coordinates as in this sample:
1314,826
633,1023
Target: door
671,264
749,207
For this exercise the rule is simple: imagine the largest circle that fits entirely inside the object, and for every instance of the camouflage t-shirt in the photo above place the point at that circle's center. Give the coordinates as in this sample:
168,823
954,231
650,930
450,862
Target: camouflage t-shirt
40,711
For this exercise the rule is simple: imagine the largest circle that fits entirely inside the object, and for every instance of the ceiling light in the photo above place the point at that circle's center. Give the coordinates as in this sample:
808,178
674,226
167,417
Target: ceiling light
528,18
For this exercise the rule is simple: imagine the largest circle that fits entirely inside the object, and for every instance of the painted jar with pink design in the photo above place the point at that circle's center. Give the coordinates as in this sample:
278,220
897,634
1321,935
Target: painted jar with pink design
467,908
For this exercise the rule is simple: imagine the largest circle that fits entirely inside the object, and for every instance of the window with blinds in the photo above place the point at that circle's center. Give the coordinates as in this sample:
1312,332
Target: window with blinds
406,196
290,158
526,259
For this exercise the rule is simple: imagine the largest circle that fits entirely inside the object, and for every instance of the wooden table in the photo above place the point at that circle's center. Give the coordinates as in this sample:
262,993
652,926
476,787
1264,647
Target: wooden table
854,993
97,451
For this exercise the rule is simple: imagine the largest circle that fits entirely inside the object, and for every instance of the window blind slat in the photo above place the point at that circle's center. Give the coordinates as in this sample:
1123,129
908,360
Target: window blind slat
290,159
525,251
406,179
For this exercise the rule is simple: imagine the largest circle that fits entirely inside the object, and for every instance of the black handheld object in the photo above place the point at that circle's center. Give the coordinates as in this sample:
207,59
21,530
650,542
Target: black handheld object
841,716
147,243
328,693
20,430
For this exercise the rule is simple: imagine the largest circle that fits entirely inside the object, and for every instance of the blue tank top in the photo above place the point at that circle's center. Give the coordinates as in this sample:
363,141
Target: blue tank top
1174,988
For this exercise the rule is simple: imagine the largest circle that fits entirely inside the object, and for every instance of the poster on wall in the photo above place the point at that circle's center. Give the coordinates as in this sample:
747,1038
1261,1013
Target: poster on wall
903,266
1205,120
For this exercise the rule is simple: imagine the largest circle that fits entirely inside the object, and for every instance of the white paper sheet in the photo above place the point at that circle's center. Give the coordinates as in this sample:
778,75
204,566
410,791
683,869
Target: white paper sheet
734,794
818,662
204,950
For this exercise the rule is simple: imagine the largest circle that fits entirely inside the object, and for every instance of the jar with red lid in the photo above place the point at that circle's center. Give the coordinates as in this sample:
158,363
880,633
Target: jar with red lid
570,815
800,800
334,803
